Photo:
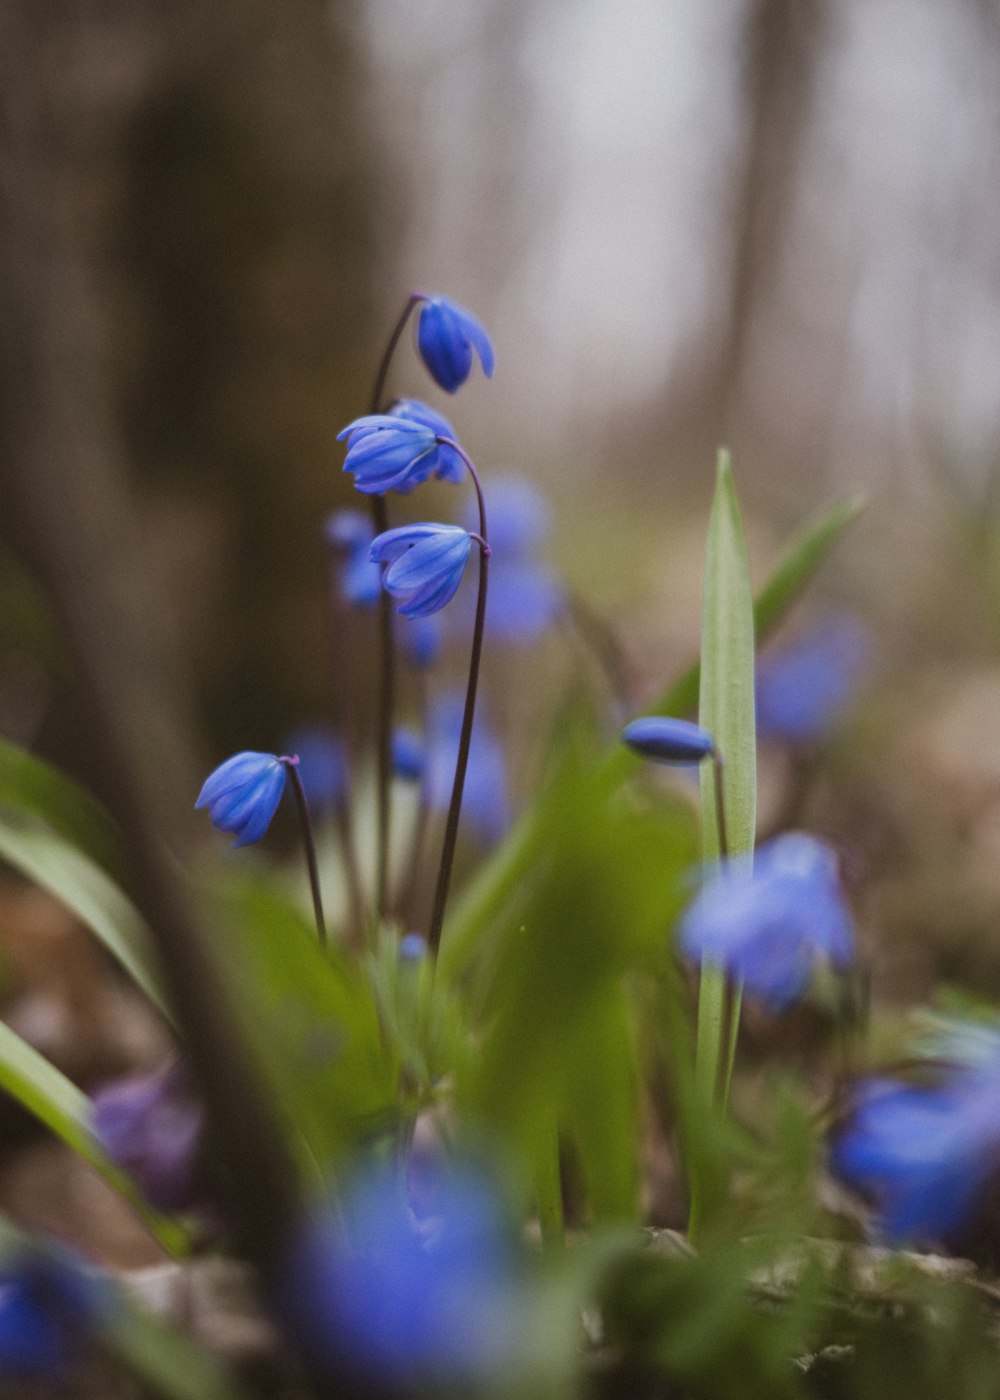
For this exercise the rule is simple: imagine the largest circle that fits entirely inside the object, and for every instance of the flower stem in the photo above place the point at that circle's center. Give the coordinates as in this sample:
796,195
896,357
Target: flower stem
465,738
292,767
387,651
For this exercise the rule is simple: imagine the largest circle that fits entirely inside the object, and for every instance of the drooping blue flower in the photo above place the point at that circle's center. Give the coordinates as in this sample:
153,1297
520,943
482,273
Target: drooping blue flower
447,334
922,1155
425,565
449,465
349,534
525,596
322,766
242,795
408,756
374,1292
420,641
770,922
152,1126
388,453
47,1306
485,801
668,740
803,688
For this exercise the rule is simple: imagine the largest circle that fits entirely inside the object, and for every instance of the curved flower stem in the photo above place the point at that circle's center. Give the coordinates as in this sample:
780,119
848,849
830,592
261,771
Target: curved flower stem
387,651
292,767
465,738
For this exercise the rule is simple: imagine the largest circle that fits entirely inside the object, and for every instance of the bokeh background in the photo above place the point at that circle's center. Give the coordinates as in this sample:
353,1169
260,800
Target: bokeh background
769,223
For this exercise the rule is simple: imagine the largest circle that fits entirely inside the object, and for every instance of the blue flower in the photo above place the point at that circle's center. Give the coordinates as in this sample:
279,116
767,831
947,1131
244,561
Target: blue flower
668,740
389,453
151,1125
485,803
373,1291
413,947
322,766
408,755
447,334
802,689
242,795
525,597
922,1155
349,533
47,1305
768,923
448,465
426,563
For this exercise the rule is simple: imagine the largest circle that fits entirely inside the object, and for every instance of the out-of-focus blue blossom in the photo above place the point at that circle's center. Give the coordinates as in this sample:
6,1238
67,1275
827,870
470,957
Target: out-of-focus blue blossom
668,740
923,1156
449,465
47,1306
769,922
152,1125
525,597
374,1293
426,564
349,533
447,334
408,754
420,641
485,803
242,795
412,947
388,453
322,766
804,687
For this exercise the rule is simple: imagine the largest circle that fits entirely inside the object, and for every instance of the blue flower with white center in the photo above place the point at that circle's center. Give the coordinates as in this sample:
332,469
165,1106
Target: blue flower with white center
425,565
408,757
802,689
349,534
448,464
322,766
525,597
47,1306
395,1300
769,922
242,795
668,740
447,334
152,1125
388,453
924,1156
485,802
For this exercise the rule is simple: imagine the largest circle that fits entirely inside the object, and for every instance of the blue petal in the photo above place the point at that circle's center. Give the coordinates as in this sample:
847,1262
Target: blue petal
668,740
407,755
476,332
428,559
235,773
391,544
443,344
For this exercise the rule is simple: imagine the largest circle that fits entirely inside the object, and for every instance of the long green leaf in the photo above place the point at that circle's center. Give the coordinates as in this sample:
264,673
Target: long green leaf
500,884
65,1110
34,788
80,884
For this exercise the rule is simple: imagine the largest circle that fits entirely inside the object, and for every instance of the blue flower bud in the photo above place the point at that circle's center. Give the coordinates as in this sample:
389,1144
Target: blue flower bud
242,795
151,1125
769,922
447,334
668,740
389,453
408,756
413,947
426,564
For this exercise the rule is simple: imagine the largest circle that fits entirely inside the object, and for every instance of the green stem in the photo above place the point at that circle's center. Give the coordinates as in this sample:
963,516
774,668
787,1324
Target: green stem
292,768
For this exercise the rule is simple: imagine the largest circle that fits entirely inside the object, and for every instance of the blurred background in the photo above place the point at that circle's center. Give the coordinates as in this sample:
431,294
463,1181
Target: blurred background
768,223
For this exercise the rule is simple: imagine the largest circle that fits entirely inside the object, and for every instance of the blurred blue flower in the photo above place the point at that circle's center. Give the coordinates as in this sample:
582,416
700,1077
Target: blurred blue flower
769,922
412,947
151,1125
322,766
372,1291
449,466
407,755
668,740
525,597
426,563
420,641
923,1156
349,534
447,334
803,688
243,793
485,803
47,1305
389,453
